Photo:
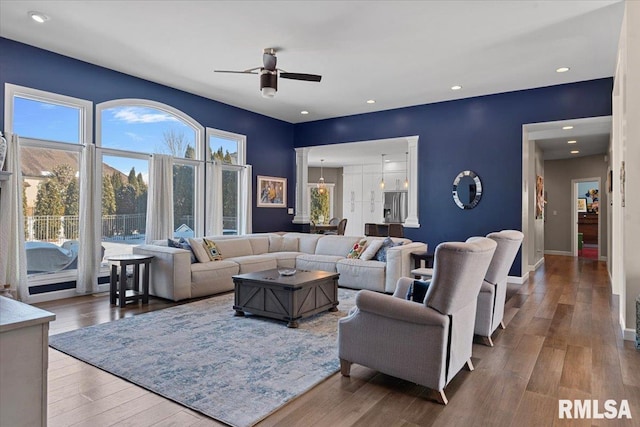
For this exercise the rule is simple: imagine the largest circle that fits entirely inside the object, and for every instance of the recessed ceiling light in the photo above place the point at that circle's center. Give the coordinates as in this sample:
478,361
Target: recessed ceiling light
567,127
456,87
371,101
573,141
304,112
562,70
575,152
39,17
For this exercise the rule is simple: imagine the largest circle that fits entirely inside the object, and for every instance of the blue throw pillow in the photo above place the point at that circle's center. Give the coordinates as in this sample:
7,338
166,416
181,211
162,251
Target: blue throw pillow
182,244
387,243
418,290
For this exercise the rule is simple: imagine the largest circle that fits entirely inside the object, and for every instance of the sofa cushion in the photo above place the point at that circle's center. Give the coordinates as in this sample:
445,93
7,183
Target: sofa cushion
317,262
232,248
207,271
285,259
361,274
371,249
259,245
336,245
198,249
283,244
357,249
212,250
306,242
251,263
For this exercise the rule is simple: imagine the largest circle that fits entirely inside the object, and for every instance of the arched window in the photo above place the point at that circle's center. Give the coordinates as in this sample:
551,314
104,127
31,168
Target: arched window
129,131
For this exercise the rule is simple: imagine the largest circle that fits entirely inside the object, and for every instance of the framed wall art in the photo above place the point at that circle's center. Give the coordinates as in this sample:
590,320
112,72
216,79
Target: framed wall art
271,192
582,204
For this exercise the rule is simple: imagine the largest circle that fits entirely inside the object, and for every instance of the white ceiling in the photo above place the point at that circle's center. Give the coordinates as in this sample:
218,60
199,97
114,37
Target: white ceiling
591,135
399,53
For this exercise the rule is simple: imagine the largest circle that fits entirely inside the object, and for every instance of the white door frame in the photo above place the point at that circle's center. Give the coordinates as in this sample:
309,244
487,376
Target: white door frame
574,216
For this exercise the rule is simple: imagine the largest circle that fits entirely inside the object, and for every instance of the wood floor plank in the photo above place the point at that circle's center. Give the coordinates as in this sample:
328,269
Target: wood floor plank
562,342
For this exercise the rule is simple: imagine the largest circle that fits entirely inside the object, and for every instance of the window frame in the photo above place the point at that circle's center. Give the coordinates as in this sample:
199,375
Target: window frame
197,163
85,134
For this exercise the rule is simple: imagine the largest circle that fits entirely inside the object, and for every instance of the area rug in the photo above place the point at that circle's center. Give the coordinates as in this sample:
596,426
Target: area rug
237,370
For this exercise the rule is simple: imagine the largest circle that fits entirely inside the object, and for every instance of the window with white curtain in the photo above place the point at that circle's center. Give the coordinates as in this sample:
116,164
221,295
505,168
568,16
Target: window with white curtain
228,151
53,130
129,131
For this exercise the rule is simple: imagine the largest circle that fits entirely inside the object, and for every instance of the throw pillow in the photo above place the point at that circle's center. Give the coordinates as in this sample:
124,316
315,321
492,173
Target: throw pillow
186,246
275,243
387,243
357,249
418,290
212,250
198,249
182,244
371,249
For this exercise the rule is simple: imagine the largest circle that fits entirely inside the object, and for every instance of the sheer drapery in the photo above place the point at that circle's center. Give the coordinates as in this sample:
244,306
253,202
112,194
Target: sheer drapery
89,255
213,196
246,201
13,257
160,198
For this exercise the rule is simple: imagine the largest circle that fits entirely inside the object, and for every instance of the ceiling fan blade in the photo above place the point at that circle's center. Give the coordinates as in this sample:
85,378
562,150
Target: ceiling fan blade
301,76
236,72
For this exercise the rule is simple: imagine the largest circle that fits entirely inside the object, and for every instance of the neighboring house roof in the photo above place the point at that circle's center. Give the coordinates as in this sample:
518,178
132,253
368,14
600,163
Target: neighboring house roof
36,160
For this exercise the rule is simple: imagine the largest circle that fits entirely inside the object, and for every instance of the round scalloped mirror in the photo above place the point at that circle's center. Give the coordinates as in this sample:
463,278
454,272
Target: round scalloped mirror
467,190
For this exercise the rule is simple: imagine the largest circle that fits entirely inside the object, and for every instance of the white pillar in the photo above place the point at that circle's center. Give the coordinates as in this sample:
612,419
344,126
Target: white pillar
412,220
302,177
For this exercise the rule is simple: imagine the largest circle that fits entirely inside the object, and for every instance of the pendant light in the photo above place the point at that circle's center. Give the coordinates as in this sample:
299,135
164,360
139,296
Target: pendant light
406,169
382,180
321,186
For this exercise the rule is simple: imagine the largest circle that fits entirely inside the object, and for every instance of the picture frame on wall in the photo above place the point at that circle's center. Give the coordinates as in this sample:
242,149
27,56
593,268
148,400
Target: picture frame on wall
271,192
582,204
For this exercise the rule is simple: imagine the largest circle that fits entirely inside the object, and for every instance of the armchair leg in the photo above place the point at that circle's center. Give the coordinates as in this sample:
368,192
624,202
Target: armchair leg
470,365
345,368
502,325
487,341
441,397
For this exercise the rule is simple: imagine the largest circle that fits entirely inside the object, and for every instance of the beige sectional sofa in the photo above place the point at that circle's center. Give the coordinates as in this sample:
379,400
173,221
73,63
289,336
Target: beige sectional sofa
174,277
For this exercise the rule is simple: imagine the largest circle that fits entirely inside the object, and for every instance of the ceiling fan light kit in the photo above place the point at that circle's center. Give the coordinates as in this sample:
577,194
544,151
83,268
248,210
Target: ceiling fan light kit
269,74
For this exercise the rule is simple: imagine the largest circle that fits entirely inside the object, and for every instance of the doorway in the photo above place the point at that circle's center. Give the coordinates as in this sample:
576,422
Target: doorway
586,230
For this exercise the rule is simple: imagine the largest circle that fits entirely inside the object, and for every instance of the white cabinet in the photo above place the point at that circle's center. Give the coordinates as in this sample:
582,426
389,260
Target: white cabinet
362,197
24,358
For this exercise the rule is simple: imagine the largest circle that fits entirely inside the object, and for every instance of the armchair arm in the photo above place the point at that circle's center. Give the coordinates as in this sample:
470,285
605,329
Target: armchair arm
170,271
399,263
399,309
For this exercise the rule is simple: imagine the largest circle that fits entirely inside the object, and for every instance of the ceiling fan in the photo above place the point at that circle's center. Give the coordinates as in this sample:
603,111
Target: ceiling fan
269,73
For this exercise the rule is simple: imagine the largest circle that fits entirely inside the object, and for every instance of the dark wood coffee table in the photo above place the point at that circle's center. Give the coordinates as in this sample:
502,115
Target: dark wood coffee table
290,298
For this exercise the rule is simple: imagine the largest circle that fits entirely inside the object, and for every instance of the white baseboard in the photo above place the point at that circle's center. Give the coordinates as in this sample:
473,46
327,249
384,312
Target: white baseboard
629,334
563,253
537,265
602,258
517,279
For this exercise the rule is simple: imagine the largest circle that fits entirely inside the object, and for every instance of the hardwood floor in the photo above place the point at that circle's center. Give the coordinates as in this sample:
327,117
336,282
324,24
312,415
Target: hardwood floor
561,342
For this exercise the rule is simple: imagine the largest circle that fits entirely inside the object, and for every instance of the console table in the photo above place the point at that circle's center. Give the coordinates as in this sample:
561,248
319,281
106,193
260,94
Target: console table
24,356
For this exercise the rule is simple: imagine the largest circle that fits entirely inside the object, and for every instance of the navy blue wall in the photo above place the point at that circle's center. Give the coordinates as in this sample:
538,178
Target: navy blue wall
482,134
269,141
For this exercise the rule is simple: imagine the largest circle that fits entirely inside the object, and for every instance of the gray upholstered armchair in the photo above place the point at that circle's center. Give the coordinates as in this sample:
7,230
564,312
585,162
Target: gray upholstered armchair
426,343
493,292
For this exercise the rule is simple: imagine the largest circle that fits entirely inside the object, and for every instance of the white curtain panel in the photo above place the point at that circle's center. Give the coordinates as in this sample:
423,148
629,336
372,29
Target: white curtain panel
213,196
90,253
246,222
13,257
160,198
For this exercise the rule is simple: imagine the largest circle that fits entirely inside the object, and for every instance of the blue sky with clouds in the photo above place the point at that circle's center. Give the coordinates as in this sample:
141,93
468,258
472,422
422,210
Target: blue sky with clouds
129,128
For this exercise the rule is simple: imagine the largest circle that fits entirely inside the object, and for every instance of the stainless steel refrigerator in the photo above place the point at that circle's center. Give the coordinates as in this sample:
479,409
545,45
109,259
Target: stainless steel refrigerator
395,206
